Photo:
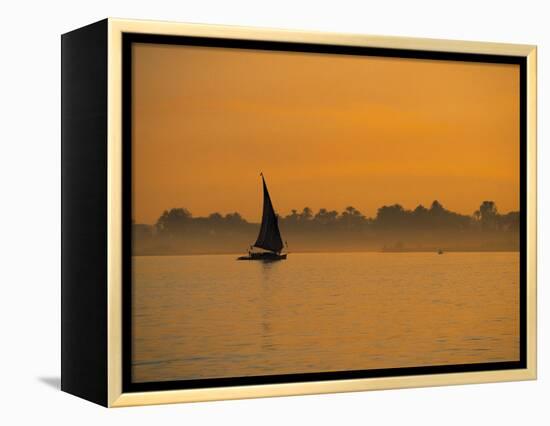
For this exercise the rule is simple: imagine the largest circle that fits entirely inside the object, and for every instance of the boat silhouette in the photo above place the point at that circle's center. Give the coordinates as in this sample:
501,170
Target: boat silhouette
269,238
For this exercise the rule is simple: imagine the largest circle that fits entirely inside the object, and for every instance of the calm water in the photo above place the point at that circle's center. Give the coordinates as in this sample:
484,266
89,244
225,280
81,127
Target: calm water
212,316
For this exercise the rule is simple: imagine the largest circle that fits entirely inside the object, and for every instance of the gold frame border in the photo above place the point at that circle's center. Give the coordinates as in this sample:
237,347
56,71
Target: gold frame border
116,27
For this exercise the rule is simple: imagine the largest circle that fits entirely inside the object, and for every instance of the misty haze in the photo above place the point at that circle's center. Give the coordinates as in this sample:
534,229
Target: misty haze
394,228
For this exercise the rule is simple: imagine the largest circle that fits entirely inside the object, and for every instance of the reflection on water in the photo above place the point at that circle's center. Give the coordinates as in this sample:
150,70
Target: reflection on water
211,316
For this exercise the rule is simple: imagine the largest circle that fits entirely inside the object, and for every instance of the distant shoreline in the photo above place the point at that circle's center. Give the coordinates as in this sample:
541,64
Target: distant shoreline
331,252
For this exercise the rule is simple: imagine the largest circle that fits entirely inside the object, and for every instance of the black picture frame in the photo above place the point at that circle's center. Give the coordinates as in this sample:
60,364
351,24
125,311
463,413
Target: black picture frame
96,212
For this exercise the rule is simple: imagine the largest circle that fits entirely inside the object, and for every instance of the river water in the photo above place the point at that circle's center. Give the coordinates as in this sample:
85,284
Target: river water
212,316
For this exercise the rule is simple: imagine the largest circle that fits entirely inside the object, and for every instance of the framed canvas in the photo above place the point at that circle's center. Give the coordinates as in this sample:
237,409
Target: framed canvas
251,212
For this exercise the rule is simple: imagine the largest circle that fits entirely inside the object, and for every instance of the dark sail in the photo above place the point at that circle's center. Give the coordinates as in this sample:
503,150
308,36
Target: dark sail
269,237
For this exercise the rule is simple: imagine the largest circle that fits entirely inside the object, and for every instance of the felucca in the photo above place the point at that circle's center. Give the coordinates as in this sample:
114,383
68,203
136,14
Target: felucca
269,239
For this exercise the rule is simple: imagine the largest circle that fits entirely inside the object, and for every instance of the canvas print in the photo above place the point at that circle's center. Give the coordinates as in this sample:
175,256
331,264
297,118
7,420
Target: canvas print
298,213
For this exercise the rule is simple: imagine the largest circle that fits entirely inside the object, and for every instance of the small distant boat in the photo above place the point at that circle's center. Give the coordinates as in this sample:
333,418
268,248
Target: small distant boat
439,251
269,238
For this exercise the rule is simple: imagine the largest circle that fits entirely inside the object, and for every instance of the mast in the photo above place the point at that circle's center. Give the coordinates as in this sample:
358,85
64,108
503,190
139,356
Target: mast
269,237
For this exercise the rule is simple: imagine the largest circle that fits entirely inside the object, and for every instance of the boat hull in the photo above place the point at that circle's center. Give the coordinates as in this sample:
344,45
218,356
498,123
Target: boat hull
266,257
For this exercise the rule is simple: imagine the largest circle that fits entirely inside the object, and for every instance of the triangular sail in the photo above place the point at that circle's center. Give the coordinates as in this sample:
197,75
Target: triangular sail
269,237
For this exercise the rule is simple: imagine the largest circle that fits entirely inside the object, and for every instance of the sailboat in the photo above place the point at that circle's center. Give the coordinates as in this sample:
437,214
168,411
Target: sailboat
269,239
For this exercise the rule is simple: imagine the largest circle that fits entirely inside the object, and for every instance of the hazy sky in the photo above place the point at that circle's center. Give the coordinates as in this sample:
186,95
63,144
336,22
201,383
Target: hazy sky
326,130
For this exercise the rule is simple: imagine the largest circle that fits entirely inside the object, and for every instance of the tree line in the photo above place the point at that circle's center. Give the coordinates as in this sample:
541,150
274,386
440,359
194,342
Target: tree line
177,221
393,228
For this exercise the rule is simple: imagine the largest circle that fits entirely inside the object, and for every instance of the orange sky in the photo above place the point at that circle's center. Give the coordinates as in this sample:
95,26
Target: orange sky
326,130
